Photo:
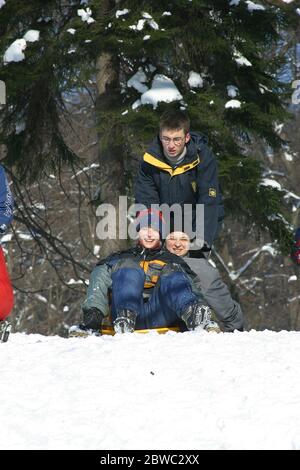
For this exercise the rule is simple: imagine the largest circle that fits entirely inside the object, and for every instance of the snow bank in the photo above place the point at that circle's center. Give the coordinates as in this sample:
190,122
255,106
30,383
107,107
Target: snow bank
175,391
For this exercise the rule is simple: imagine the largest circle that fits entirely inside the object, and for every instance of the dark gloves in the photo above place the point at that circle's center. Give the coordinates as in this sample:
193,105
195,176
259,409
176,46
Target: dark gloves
3,228
203,252
199,249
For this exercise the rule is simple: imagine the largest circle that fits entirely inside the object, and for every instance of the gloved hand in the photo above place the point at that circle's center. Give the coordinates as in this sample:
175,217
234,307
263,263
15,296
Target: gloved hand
203,252
3,228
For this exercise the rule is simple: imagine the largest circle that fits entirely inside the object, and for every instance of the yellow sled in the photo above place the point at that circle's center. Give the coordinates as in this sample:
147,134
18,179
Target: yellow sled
75,331
110,331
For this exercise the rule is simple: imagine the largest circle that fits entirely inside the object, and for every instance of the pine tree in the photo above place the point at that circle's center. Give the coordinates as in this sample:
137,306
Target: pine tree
31,120
228,45
215,52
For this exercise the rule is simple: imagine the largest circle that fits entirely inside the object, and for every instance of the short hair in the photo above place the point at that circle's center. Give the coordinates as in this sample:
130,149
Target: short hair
173,120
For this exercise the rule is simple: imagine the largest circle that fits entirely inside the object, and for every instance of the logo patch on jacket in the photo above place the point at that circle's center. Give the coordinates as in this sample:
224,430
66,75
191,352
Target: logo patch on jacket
212,192
194,186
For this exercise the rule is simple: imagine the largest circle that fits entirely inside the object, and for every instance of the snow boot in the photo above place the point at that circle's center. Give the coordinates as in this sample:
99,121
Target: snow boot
92,318
125,321
198,316
5,329
92,324
81,331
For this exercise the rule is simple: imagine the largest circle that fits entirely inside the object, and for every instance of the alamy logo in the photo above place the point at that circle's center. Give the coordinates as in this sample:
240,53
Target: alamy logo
120,222
2,92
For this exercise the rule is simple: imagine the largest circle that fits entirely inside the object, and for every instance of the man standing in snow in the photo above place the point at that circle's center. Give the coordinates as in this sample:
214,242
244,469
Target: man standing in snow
150,287
179,168
208,282
6,291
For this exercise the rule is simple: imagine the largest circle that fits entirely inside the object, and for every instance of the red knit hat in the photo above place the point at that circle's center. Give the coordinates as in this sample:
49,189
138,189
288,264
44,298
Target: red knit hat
151,218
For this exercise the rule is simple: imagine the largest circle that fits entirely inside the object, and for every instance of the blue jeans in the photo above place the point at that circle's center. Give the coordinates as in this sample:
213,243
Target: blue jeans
169,298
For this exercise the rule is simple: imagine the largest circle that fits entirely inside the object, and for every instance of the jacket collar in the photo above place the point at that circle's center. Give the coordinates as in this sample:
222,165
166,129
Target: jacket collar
155,155
139,249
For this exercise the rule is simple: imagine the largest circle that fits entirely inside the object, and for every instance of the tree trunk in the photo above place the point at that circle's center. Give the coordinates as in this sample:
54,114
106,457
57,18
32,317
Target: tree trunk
111,154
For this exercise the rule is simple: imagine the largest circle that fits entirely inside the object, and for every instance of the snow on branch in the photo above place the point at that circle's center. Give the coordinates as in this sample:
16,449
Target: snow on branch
234,275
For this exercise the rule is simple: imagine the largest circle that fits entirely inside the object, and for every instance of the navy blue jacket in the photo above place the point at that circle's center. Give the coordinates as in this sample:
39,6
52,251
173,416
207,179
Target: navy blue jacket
6,202
193,181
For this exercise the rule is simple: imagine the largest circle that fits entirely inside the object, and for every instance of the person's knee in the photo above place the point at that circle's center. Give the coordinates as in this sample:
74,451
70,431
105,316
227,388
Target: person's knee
128,275
128,282
173,282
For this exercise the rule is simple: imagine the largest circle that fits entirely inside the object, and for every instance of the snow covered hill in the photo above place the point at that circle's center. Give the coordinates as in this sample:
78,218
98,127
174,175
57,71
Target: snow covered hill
175,391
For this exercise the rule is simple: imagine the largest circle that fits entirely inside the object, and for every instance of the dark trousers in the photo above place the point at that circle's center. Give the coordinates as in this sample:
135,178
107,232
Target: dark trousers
169,298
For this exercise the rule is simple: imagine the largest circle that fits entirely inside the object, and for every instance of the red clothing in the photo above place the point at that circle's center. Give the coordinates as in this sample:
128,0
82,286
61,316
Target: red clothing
6,290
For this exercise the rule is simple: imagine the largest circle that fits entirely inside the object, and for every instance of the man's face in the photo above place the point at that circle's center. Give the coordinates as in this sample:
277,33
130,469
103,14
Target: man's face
173,141
178,243
149,237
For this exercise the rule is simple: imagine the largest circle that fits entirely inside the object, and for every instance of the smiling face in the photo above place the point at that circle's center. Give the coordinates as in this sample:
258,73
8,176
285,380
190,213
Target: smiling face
149,238
178,243
174,141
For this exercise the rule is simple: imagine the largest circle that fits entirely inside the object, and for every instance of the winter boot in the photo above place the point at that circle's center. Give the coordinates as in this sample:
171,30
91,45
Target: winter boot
5,329
92,323
125,321
92,318
198,316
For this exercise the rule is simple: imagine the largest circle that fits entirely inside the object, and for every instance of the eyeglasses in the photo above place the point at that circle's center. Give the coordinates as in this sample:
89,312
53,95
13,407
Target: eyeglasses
176,140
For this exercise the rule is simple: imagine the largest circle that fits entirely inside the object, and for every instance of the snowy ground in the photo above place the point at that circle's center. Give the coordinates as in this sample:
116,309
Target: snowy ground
175,391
